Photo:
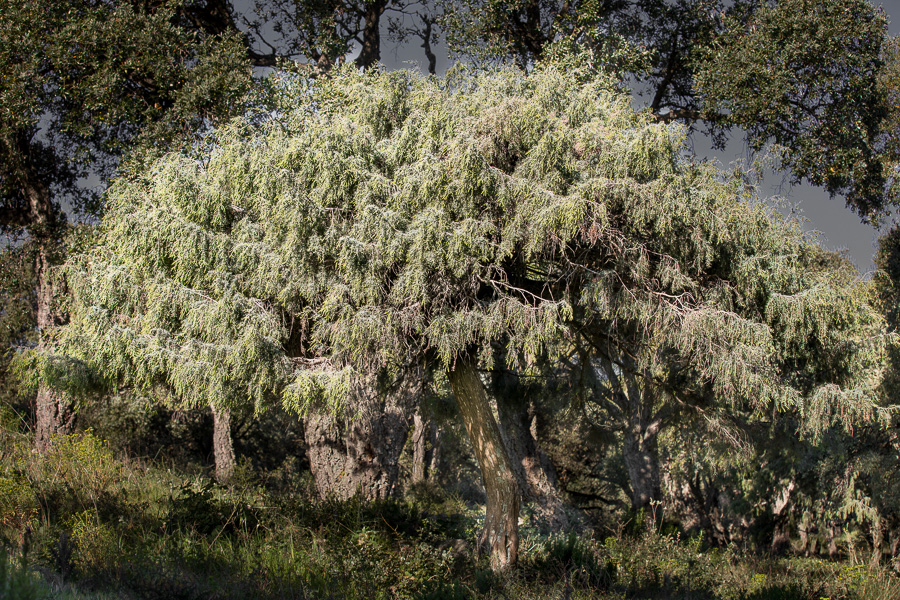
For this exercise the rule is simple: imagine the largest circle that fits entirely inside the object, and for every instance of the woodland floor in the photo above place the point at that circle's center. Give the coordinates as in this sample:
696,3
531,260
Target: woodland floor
101,527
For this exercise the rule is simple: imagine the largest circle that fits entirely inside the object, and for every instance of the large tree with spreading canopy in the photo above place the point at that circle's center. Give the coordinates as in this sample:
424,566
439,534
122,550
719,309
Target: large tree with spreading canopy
798,77
390,220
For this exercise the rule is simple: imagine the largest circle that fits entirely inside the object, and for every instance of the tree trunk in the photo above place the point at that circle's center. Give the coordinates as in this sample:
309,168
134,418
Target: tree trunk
361,455
832,533
878,541
534,471
641,454
781,540
223,451
370,53
54,413
501,522
894,539
424,447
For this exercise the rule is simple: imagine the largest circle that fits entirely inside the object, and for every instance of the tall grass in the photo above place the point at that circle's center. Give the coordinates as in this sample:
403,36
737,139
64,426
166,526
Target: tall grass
83,522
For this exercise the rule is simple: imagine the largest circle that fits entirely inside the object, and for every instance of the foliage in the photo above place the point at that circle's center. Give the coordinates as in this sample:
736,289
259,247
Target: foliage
94,78
803,75
175,535
800,76
17,298
393,217
17,582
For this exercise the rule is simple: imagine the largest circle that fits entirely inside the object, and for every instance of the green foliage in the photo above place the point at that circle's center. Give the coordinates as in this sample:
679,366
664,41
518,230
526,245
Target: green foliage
391,217
97,79
19,583
167,534
801,77
825,126
577,561
17,319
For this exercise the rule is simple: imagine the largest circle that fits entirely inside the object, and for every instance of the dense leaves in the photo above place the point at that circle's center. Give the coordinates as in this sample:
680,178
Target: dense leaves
393,217
84,81
798,76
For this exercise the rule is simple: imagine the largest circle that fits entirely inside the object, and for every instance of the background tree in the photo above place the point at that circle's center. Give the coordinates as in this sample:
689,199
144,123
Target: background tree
799,77
80,83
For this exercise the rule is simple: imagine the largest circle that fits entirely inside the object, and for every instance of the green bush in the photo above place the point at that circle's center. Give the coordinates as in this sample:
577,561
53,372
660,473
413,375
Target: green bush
19,583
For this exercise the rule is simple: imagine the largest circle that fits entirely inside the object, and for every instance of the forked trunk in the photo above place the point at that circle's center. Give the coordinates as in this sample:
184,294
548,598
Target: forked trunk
536,474
501,522
223,450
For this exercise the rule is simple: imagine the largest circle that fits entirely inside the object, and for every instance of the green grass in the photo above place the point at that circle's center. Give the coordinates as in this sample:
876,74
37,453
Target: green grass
83,523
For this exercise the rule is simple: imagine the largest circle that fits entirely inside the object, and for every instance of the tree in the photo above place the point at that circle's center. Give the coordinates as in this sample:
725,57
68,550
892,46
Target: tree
795,336
317,33
794,75
80,83
390,219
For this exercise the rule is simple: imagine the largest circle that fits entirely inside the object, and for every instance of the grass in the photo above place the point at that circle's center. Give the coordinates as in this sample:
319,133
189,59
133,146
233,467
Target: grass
82,522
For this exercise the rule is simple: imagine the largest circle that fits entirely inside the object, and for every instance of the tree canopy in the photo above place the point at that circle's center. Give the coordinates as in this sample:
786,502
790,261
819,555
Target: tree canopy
82,84
796,76
389,219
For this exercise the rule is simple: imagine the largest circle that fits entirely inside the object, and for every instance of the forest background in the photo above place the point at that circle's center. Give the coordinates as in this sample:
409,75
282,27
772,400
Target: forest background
673,372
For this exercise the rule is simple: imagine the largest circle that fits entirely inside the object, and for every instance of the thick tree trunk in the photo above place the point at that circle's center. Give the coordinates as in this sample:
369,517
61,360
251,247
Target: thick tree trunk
641,454
534,471
834,530
370,53
781,540
54,414
223,451
501,523
361,455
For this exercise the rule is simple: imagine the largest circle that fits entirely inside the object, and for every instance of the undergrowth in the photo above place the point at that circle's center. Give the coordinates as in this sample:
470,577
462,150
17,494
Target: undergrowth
81,522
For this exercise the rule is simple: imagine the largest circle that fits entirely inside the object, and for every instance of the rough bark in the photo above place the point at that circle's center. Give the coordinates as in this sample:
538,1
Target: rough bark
361,454
501,523
534,471
45,221
54,413
223,451
424,448
641,453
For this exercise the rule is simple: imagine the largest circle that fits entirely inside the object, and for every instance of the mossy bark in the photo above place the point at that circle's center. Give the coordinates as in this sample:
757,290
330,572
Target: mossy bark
501,523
